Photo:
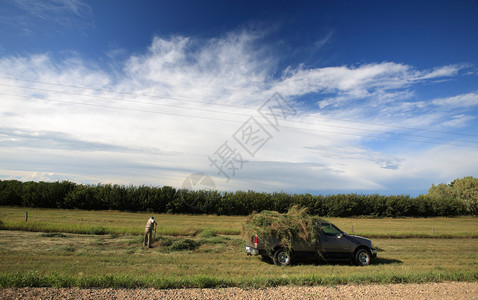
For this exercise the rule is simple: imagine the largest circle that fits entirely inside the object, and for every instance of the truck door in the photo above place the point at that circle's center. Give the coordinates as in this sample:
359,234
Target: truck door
333,242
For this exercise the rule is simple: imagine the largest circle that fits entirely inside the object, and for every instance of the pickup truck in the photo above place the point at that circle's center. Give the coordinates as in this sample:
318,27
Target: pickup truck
332,245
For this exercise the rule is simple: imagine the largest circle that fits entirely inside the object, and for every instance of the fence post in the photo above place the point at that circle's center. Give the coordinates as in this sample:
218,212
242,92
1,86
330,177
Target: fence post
26,216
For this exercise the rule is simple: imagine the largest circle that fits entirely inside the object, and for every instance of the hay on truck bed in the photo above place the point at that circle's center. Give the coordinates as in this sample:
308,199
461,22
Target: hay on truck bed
294,225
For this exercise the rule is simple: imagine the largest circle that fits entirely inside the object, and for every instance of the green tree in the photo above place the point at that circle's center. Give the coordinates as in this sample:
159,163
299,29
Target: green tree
461,192
466,190
10,192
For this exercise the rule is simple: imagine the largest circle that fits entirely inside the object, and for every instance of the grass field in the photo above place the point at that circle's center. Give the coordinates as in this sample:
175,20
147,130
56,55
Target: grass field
117,259
79,221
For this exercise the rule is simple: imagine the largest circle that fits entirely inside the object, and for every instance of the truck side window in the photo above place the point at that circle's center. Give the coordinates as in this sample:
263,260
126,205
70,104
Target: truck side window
328,229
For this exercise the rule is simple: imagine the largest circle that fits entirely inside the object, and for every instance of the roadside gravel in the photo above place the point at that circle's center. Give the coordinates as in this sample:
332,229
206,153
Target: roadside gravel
447,290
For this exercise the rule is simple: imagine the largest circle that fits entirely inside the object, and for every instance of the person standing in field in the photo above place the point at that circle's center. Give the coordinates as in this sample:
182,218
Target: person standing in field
148,232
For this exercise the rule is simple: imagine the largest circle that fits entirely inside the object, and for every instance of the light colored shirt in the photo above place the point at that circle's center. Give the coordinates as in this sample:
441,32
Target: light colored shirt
150,224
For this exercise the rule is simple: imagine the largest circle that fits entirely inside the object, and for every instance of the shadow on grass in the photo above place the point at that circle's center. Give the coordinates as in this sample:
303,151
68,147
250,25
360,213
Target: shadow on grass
317,261
385,261
53,235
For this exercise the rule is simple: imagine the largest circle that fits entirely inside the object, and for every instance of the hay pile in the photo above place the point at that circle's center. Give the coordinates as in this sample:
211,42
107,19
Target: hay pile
295,225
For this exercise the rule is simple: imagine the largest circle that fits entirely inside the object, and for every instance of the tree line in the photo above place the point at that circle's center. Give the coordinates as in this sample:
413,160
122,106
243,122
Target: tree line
458,198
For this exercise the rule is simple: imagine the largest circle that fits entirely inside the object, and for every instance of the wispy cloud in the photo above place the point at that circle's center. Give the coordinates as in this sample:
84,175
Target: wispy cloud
319,44
445,71
51,9
379,80
458,121
69,14
227,68
464,100
161,113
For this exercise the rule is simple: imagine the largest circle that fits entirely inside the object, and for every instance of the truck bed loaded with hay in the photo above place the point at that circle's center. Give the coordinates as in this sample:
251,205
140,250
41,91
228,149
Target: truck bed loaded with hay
283,237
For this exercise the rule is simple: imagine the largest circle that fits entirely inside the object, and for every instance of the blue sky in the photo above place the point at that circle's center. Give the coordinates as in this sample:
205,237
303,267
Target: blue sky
317,96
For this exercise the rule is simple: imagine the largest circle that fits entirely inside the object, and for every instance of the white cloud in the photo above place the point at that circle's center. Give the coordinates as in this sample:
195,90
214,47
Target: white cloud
442,163
464,100
163,112
351,83
227,70
445,71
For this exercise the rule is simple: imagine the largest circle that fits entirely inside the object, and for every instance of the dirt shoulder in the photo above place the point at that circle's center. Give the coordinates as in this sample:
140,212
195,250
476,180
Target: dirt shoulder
448,290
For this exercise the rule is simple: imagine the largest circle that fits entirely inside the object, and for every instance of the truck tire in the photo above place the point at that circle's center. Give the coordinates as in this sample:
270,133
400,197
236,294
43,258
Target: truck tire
282,257
362,257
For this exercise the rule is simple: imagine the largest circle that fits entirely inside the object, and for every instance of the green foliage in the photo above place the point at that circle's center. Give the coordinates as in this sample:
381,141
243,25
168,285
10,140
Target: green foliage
459,197
82,197
292,226
44,194
466,190
10,192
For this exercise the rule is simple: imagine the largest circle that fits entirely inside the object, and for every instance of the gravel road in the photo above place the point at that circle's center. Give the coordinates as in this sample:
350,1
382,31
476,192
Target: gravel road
448,290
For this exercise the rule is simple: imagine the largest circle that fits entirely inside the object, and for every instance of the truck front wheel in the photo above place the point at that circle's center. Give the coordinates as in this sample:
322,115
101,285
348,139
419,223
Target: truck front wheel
362,257
282,257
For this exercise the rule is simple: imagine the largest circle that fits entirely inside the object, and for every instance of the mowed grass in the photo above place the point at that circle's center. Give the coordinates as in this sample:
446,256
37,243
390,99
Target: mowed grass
112,254
39,259
101,222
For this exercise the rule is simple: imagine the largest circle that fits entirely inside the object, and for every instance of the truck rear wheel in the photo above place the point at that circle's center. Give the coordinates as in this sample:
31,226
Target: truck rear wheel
282,257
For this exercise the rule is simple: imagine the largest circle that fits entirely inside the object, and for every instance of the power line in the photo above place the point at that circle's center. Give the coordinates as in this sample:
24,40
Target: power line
396,126
116,107
129,100
131,94
235,121
236,114
235,106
